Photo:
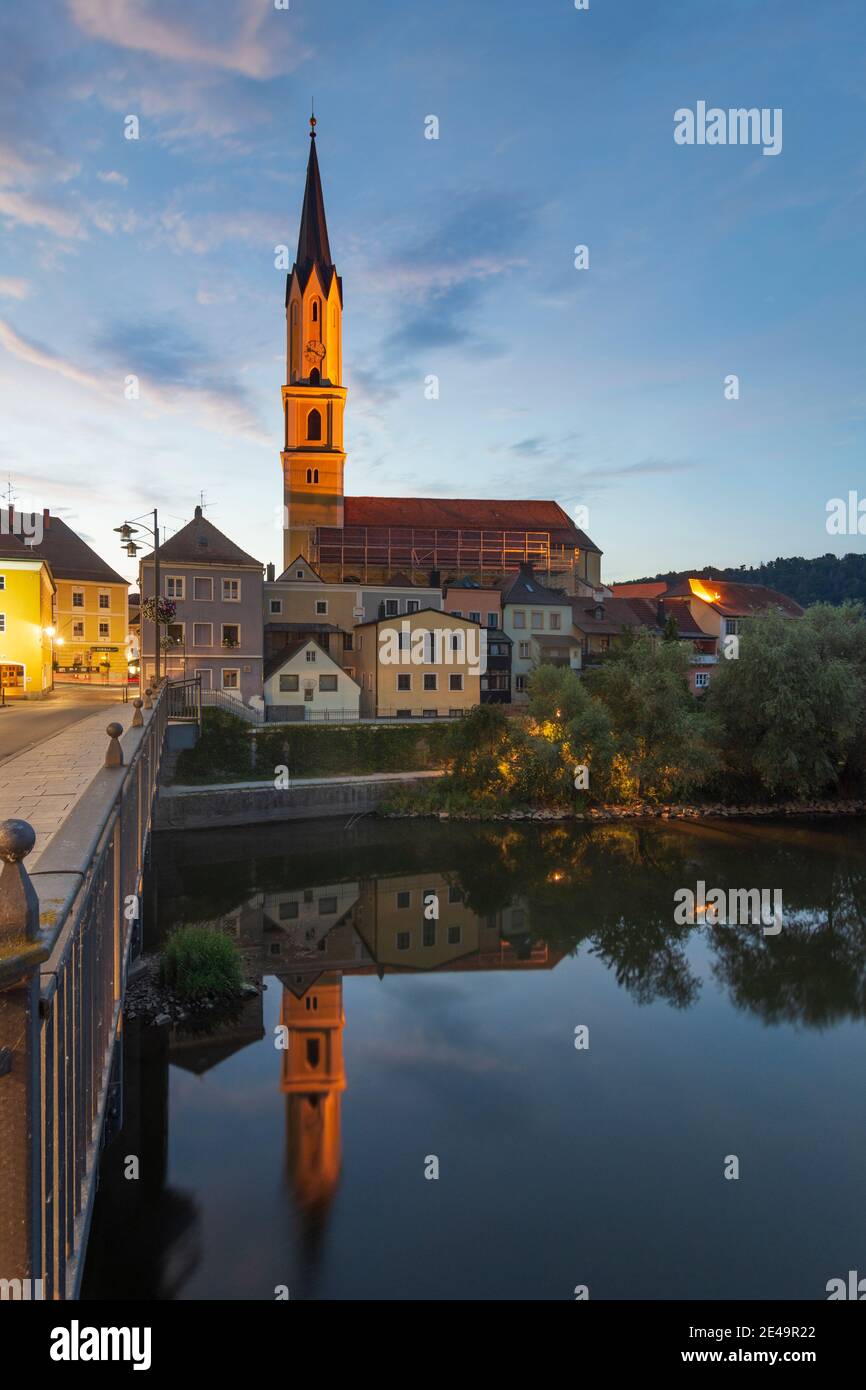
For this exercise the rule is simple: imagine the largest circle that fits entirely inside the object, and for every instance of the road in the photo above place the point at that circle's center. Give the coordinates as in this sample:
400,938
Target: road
27,722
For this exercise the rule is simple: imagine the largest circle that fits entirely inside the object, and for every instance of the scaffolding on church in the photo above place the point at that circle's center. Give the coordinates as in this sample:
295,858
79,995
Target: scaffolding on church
371,552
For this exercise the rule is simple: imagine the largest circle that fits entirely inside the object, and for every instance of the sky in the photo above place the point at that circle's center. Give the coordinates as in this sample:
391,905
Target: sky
603,388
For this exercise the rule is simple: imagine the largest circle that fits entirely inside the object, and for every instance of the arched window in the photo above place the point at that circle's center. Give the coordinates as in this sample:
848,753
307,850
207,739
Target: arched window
309,475
315,311
315,475
315,377
314,425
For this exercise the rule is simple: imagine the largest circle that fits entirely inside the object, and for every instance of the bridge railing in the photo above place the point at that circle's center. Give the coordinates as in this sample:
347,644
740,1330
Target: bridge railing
65,938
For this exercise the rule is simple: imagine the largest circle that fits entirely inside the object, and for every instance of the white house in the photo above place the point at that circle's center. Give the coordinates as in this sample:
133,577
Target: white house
303,681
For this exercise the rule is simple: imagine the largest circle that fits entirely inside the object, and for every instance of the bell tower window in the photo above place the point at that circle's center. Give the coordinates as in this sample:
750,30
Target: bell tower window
314,425
315,311
315,377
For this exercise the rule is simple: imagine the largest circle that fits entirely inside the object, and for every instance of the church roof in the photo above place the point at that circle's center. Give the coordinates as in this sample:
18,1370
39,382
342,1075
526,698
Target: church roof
454,513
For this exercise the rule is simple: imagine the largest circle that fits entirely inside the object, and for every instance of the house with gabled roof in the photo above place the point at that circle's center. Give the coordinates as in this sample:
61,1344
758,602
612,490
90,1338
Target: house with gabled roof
217,628
705,611
300,603
304,682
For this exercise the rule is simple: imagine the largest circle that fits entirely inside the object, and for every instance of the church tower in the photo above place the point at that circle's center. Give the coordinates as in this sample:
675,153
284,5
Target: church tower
314,396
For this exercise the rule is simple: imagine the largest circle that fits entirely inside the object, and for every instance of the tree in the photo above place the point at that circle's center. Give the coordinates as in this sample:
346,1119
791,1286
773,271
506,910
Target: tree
789,711
660,736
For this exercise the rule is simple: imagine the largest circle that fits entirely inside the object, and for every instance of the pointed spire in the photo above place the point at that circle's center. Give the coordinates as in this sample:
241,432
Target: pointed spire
313,246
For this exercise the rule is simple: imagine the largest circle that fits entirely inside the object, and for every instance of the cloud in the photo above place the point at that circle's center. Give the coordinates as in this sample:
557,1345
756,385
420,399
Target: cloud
257,48
112,176
12,287
179,371
175,375
38,356
445,271
33,212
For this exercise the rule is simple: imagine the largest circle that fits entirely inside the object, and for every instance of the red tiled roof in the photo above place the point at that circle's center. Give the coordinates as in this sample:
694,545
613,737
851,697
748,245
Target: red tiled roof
618,614
452,513
686,625
739,600
650,590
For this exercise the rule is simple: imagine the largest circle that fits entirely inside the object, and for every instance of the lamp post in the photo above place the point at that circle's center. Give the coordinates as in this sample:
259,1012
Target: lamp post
126,533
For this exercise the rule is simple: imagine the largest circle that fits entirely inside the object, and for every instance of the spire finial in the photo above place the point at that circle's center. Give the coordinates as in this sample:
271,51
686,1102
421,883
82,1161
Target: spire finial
312,119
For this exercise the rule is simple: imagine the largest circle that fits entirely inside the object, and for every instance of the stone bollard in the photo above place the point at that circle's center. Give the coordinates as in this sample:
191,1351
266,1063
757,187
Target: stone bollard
19,905
114,752
138,717
148,702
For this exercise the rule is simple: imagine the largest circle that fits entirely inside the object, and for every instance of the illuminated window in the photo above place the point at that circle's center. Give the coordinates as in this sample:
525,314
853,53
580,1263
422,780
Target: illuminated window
314,425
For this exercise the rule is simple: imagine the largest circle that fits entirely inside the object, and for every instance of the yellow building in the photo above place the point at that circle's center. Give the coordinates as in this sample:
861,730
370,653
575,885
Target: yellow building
26,623
425,664
91,614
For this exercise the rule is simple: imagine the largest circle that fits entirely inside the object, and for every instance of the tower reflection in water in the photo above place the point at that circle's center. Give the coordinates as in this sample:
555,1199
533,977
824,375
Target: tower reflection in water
310,938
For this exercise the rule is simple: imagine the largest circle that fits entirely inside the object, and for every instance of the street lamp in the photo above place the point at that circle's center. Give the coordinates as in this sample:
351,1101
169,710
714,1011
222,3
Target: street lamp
127,540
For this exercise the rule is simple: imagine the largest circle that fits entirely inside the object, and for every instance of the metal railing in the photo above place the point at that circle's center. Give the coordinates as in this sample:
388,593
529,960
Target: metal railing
65,939
185,699
218,699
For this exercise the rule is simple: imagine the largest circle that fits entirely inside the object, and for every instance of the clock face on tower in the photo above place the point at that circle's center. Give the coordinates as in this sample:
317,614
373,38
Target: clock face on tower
315,349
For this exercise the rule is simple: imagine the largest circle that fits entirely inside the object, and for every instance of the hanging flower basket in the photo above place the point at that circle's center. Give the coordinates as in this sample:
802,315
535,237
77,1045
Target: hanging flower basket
162,610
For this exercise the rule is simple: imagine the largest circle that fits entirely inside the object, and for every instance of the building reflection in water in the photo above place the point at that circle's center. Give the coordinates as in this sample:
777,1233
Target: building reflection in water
310,939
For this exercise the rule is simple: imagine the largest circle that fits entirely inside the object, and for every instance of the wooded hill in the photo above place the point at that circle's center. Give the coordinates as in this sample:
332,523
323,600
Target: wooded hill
826,579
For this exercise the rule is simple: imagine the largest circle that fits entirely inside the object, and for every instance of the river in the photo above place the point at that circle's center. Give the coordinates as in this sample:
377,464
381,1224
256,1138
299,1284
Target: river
539,1090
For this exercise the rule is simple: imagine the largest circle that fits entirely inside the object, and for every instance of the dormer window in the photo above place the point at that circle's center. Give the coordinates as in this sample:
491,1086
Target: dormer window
599,613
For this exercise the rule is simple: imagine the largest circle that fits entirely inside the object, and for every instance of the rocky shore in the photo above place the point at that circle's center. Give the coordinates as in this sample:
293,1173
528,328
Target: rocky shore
645,811
151,1001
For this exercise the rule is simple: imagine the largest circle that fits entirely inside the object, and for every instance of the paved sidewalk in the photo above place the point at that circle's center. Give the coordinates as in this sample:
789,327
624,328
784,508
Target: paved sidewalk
43,784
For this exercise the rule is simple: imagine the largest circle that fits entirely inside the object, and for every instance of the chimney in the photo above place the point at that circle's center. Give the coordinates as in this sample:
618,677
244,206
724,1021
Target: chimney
198,513
526,569
46,519
436,579
271,574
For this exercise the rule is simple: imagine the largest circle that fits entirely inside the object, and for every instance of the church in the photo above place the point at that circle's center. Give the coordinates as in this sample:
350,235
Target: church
368,539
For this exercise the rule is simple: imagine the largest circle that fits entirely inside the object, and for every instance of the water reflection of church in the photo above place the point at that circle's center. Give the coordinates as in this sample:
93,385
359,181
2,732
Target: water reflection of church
309,939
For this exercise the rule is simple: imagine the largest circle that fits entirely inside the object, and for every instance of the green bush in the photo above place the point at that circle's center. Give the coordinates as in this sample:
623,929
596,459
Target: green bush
199,960
222,754
319,750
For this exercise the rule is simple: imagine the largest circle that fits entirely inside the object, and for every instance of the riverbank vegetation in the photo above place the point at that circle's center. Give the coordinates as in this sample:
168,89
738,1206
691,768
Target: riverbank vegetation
784,720
230,751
